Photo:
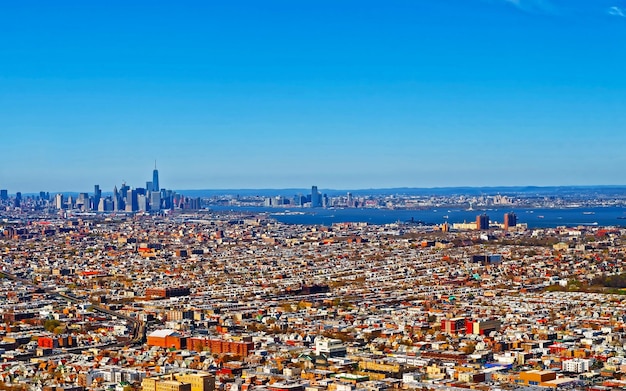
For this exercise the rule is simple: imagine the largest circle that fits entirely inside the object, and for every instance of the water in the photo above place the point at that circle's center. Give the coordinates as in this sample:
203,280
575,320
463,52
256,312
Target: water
535,218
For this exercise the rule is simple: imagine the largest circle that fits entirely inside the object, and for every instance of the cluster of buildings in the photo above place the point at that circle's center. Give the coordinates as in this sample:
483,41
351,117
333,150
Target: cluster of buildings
233,302
483,223
151,198
425,199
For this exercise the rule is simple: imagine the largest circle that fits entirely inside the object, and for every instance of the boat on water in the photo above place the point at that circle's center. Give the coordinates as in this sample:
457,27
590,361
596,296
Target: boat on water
540,217
589,213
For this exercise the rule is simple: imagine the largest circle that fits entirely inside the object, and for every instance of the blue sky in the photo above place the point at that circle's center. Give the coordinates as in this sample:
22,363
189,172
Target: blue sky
338,93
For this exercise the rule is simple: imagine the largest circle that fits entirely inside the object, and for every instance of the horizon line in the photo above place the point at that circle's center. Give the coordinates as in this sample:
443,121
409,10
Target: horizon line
356,189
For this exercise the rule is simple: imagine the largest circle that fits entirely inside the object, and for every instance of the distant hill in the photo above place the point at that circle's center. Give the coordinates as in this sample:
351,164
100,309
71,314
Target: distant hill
435,191
584,191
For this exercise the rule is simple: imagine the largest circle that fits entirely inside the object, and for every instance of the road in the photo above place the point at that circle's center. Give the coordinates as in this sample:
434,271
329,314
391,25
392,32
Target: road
138,328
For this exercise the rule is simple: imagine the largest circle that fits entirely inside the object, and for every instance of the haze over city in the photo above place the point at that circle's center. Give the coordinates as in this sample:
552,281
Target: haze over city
279,94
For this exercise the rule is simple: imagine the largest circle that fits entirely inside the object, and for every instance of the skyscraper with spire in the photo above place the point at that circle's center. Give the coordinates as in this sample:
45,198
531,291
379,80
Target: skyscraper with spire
155,178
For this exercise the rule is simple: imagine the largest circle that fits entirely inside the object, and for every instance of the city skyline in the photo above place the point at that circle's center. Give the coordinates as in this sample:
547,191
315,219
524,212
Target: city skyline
350,95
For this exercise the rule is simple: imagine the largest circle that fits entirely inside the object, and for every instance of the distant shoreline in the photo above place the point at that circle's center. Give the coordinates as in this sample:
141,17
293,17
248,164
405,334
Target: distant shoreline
599,216
468,190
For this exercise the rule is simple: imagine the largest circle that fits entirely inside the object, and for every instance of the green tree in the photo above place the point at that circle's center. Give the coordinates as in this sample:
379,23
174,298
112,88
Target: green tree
51,324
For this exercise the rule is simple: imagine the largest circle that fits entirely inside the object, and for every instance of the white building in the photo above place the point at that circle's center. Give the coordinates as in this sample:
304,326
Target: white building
577,365
330,347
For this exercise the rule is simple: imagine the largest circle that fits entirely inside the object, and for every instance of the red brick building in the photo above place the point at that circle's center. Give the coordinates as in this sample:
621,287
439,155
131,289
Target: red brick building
57,341
166,293
219,346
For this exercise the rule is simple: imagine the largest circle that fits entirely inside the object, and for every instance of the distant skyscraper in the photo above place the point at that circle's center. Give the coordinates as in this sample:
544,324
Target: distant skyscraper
155,179
132,204
316,198
142,202
82,202
97,194
102,205
58,201
105,205
117,205
18,200
298,200
4,195
155,201
123,195
482,222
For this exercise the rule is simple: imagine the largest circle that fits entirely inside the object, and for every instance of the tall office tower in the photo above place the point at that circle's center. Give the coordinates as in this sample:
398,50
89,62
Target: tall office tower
4,195
155,179
350,201
131,201
102,205
155,201
167,199
124,190
482,222
142,203
316,198
116,200
510,220
18,200
82,202
97,194
149,186
58,201
44,196
105,205
123,196
297,200
194,203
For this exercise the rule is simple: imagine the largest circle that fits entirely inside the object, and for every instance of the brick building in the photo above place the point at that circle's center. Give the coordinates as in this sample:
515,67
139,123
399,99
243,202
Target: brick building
219,346
167,339
166,293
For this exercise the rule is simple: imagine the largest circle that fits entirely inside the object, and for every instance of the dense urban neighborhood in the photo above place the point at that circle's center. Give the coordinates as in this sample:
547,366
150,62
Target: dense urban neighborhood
236,301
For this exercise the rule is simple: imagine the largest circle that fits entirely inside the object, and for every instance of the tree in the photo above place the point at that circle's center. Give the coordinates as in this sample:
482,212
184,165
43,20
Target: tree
59,329
51,324
469,348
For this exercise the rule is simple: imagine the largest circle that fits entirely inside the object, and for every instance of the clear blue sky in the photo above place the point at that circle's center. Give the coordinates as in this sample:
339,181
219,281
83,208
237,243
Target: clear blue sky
337,93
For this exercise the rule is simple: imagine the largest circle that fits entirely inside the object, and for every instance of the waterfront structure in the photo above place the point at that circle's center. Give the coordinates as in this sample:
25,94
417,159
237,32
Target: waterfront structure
482,222
316,198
